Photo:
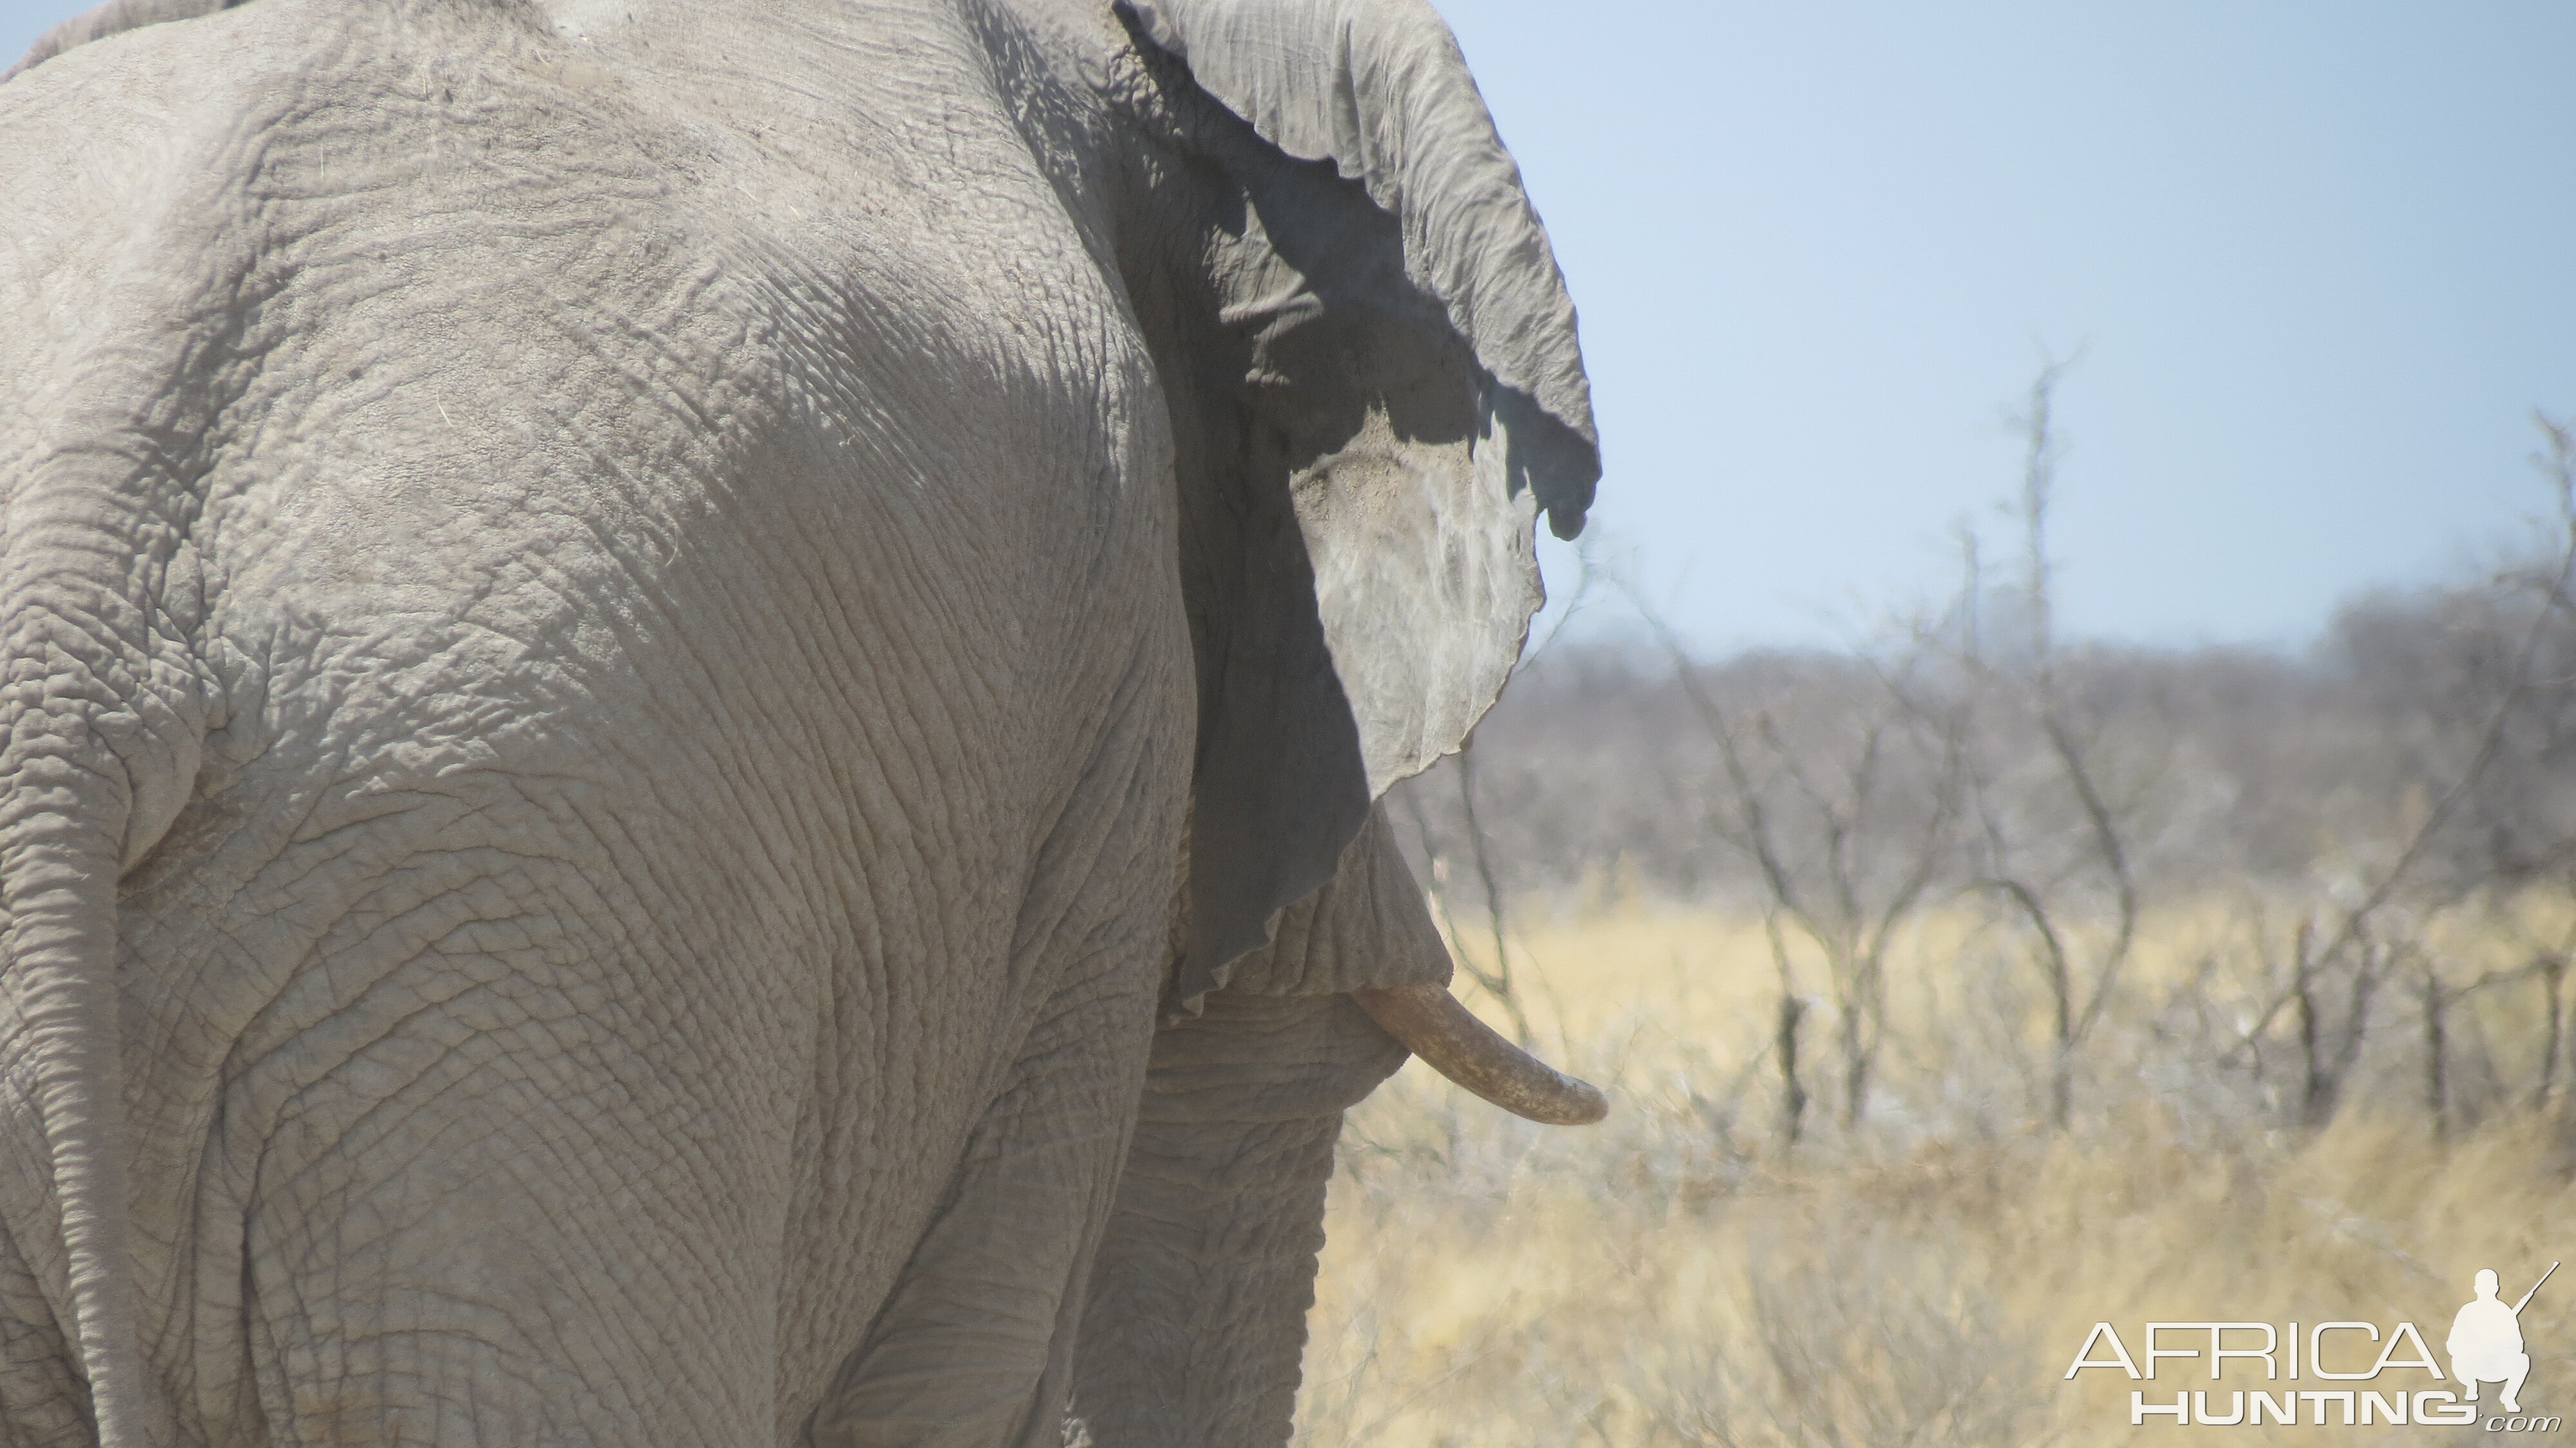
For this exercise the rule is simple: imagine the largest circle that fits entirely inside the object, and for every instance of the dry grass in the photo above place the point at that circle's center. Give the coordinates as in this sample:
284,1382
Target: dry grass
1676,1276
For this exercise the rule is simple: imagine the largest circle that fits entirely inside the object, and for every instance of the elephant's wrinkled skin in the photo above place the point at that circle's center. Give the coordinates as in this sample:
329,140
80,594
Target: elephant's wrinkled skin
666,664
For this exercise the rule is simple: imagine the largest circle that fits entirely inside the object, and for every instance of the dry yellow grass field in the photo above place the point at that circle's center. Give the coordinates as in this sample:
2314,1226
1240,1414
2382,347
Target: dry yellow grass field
1677,1275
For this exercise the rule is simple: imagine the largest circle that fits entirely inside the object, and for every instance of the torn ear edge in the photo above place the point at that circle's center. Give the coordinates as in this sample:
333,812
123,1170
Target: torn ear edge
1379,90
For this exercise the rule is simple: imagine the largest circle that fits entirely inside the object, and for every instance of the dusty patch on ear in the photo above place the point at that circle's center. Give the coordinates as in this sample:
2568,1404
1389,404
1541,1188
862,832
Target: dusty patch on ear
1425,580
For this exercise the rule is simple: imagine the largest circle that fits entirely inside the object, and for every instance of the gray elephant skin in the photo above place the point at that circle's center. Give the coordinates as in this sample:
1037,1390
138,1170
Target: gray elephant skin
694,695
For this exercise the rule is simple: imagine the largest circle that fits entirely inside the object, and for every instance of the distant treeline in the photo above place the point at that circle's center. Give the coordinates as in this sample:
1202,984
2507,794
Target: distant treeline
1600,769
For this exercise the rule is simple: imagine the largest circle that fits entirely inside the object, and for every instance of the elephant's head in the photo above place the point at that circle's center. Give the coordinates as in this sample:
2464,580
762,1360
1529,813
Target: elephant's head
1374,389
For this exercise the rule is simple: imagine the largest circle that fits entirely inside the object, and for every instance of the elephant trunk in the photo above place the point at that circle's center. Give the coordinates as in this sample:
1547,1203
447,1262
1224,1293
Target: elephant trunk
1431,1024
1197,1315
1199,1293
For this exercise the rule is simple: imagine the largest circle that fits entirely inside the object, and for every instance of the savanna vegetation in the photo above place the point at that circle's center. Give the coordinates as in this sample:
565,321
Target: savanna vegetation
1966,988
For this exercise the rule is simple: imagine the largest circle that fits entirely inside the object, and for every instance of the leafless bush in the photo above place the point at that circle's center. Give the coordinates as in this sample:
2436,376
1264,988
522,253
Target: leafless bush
2358,811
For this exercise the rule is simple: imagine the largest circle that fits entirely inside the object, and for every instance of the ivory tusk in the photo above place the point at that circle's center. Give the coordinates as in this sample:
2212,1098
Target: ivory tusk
1431,1024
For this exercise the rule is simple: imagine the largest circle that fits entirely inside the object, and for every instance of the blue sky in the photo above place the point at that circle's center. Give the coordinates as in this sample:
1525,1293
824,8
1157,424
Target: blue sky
2316,258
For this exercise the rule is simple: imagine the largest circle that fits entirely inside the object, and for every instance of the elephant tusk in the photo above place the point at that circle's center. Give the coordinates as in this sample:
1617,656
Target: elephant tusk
1431,1024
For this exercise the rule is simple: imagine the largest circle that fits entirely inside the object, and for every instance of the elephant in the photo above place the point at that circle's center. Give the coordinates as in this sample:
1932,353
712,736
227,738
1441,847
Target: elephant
695,698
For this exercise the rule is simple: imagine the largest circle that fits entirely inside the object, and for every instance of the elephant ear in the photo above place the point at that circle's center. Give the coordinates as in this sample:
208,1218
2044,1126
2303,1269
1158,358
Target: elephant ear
1375,390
